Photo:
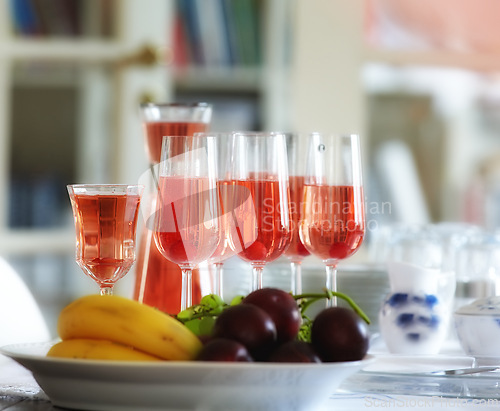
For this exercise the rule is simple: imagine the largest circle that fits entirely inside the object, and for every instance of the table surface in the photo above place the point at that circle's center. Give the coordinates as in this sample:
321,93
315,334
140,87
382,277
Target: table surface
16,403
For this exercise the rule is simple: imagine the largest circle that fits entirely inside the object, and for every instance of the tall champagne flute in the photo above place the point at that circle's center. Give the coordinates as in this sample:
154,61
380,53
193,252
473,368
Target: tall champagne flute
333,219
226,219
186,228
259,174
296,147
105,224
158,280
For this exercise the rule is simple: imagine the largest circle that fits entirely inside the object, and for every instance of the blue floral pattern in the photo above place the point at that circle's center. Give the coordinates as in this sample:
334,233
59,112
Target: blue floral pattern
411,322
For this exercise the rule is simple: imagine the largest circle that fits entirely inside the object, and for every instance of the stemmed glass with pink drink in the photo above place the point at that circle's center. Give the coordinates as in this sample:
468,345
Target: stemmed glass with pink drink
226,220
332,225
260,195
297,145
186,226
105,224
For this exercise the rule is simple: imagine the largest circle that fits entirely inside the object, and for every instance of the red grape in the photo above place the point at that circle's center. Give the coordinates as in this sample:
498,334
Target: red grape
339,334
249,325
281,307
223,349
294,351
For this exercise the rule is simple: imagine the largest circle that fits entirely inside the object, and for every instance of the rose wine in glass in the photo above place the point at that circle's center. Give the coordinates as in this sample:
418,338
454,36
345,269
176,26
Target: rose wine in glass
158,280
105,224
296,252
332,225
259,174
226,218
155,131
186,227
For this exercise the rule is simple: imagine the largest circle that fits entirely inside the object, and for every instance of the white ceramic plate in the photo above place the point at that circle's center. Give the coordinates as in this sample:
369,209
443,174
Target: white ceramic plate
175,385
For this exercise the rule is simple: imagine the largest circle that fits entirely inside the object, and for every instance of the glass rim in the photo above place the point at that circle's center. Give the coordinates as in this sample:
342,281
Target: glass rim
108,188
200,104
189,137
84,185
333,134
258,133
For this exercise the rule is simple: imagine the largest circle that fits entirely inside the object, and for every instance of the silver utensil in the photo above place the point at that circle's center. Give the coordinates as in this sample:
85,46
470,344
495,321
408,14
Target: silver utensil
463,371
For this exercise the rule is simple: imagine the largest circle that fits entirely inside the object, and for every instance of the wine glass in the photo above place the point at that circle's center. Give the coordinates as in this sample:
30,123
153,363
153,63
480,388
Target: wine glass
260,196
296,252
226,219
186,229
332,225
105,223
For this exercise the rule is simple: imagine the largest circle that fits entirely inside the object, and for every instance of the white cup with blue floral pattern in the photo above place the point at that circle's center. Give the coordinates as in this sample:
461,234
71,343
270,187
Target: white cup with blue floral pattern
414,317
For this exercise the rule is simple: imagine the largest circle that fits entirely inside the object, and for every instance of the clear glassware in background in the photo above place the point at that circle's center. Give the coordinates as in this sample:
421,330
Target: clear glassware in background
158,280
105,224
297,145
417,244
415,316
259,174
186,222
428,247
477,267
332,226
462,253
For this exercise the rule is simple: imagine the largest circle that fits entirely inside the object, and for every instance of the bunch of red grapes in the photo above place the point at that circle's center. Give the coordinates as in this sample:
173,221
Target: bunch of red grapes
265,327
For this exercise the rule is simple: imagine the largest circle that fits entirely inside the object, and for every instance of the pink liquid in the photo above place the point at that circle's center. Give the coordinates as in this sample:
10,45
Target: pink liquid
155,131
226,223
158,280
106,227
187,232
296,251
333,224
262,231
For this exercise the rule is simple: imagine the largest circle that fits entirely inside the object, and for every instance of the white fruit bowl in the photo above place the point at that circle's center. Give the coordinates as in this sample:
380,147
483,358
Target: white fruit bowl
175,385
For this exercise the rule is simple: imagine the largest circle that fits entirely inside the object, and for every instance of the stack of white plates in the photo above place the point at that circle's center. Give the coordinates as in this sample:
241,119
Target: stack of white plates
366,284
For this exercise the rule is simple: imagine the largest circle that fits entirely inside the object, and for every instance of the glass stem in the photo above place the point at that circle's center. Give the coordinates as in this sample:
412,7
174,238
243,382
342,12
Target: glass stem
331,283
187,288
152,168
106,290
218,279
296,267
257,277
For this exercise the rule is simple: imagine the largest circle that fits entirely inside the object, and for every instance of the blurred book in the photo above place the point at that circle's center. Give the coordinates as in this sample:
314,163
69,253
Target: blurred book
217,33
62,18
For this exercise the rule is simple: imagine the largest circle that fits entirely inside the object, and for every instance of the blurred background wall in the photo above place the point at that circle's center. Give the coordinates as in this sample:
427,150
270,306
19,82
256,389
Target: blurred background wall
417,79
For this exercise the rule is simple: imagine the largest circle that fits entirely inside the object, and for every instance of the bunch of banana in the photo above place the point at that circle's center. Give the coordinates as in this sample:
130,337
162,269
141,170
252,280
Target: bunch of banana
118,328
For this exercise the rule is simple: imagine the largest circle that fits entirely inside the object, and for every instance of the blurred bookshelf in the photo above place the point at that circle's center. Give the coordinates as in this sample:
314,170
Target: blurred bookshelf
220,33
62,18
237,55
70,85
69,92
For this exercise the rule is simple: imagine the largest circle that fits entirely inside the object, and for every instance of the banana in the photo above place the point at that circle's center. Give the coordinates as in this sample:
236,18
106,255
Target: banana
130,323
81,348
